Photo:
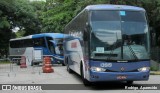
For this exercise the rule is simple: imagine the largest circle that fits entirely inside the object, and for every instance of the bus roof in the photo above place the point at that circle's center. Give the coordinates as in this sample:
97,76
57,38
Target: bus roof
26,37
113,7
53,35
108,7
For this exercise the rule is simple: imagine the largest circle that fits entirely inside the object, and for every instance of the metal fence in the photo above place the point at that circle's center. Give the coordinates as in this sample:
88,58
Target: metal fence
11,69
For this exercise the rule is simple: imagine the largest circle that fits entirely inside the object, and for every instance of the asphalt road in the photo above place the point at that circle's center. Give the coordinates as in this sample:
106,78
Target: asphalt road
70,83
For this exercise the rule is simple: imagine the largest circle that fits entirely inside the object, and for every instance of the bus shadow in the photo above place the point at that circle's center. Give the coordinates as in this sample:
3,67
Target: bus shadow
53,65
118,86
110,85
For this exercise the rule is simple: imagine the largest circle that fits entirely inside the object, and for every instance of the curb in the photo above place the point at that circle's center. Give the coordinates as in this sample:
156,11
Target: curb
155,73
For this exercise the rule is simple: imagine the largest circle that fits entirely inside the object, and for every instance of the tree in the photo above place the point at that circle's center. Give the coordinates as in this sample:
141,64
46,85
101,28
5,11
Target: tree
153,12
59,12
6,15
26,16
17,13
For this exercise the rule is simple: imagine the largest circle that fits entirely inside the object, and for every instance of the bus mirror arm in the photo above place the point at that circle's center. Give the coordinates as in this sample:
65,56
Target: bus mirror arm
85,34
87,25
54,43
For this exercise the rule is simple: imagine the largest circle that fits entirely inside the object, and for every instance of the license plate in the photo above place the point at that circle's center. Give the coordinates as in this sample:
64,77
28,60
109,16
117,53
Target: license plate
121,77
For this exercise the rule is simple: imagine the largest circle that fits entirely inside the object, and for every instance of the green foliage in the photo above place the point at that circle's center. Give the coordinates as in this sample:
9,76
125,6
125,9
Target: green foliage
4,23
54,19
26,16
5,62
154,68
20,33
18,13
54,15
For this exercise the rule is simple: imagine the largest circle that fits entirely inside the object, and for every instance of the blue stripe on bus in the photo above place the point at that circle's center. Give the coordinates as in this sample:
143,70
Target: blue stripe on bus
53,35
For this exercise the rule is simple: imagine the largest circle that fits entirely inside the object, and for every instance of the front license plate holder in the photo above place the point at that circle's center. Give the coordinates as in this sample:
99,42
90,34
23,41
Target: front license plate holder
121,77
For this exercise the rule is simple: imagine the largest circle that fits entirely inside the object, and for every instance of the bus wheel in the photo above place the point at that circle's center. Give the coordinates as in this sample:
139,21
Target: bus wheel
69,70
63,64
36,63
85,81
129,82
18,63
31,63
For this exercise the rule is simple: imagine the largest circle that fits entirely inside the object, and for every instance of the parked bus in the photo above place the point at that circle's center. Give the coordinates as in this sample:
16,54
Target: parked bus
108,43
35,47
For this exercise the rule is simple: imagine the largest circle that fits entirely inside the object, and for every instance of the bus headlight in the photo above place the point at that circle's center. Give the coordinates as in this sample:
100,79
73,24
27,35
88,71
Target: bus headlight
144,69
97,69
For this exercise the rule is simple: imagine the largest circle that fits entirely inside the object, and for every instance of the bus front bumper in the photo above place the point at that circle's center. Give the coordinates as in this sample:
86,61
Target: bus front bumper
119,76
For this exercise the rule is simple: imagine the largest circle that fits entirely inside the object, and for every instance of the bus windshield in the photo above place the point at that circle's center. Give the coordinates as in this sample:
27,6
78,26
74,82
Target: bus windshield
119,35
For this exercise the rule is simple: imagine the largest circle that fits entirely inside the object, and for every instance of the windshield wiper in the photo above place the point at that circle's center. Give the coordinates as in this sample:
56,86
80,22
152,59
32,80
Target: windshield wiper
110,54
133,53
114,46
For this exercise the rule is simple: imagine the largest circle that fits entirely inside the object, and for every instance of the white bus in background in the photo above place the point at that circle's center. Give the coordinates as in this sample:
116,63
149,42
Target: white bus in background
35,47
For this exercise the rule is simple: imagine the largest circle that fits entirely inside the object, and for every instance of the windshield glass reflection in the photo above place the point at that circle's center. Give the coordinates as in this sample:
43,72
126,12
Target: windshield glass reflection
119,35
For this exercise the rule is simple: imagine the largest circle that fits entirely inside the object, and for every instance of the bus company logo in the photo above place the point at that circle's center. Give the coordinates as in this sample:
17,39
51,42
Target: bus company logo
122,69
106,65
74,45
6,87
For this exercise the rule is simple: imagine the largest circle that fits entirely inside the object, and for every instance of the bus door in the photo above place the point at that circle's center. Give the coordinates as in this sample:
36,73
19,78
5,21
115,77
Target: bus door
57,50
75,55
37,55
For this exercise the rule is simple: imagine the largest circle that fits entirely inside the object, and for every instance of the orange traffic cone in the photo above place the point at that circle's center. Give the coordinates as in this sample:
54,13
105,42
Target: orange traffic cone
47,66
23,62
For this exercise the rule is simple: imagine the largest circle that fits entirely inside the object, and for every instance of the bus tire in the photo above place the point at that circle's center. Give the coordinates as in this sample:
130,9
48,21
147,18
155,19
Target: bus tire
129,82
63,64
18,63
32,63
36,63
68,69
85,81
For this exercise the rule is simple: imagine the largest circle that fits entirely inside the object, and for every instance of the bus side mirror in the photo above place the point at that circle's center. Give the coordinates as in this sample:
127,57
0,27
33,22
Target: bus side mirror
53,42
87,24
85,35
86,32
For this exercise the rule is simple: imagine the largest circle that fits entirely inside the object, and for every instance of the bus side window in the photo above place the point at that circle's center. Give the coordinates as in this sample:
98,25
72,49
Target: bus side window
39,42
35,42
50,45
12,44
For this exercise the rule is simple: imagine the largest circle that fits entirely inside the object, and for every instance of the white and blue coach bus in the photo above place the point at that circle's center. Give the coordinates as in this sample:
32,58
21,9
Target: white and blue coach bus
108,43
35,47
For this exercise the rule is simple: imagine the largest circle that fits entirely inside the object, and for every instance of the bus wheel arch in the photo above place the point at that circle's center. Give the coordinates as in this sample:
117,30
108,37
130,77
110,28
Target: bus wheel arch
68,69
63,64
32,63
18,62
85,81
